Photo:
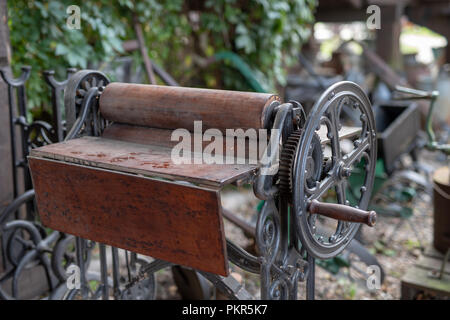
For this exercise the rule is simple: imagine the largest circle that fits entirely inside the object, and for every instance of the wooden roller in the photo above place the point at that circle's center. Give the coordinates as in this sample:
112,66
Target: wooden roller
177,107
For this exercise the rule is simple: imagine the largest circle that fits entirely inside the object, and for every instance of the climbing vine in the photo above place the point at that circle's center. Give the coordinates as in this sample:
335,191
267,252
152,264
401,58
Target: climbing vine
182,36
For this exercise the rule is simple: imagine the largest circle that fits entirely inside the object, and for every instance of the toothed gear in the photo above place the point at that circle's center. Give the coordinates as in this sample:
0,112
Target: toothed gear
76,89
287,158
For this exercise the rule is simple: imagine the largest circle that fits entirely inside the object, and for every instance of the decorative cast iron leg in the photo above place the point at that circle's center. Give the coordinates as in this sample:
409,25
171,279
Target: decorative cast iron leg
310,282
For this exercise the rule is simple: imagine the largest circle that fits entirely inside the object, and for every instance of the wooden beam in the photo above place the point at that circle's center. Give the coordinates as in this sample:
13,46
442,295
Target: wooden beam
388,36
6,179
435,16
141,41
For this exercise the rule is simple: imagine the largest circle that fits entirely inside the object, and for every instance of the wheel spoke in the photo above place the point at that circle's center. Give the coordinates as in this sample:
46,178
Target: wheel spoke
357,153
342,198
340,191
322,187
334,138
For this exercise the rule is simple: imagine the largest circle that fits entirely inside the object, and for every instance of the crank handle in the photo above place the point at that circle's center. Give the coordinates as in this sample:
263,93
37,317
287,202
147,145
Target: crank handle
343,212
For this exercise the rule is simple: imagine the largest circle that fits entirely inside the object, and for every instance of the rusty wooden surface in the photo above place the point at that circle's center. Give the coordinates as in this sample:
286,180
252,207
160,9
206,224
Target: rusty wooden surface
147,151
162,138
141,159
177,107
174,222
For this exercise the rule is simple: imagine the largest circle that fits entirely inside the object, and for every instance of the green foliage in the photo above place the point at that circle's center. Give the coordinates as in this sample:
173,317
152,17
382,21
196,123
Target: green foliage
267,34
40,38
381,247
180,35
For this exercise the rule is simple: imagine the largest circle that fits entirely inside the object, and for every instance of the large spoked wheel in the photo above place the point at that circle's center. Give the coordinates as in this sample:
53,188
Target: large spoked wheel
76,89
312,180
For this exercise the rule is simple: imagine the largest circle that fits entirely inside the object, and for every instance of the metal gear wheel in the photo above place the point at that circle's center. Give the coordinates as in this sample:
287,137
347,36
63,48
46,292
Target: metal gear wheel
287,158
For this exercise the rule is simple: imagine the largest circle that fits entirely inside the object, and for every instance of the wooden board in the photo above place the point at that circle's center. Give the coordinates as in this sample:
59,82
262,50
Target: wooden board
431,252
174,222
418,279
147,151
142,159
162,138
432,264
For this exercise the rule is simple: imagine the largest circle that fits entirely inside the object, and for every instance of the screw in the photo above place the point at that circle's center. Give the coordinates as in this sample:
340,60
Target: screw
346,172
332,94
363,117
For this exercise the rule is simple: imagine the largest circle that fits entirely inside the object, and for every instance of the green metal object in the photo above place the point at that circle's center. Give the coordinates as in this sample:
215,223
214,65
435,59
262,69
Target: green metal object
405,194
394,210
357,177
239,64
259,206
400,196
414,94
334,265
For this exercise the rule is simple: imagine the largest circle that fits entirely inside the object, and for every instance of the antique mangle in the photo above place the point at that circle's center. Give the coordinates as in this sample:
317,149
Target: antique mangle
113,180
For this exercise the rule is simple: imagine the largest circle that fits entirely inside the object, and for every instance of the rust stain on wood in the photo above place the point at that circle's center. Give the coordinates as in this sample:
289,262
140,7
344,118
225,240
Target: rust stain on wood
178,223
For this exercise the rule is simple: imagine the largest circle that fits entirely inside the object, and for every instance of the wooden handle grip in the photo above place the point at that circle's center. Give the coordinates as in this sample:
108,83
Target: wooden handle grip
343,212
